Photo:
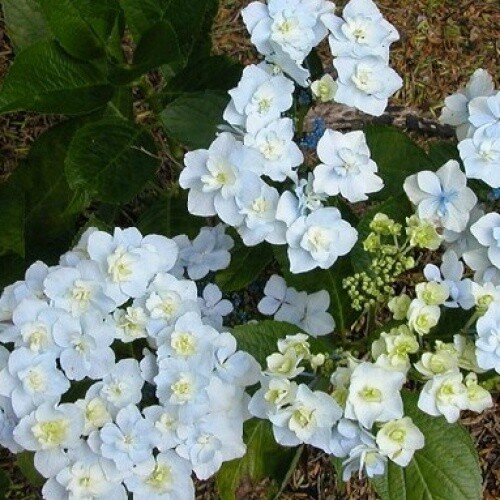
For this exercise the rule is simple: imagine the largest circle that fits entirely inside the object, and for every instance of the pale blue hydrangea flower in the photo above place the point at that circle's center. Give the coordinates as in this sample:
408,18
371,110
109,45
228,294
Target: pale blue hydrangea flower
487,232
488,341
481,157
442,197
456,109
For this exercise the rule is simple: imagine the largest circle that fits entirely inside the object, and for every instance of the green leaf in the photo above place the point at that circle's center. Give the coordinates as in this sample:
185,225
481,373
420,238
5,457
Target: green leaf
12,207
193,119
450,323
210,73
24,22
12,269
24,461
111,160
82,27
45,79
396,208
52,208
246,265
323,279
158,46
141,15
441,152
397,157
168,216
264,458
191,21
447,468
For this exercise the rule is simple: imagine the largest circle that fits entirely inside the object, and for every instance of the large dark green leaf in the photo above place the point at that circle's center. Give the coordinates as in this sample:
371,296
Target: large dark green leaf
4,484
12,206
210,73
12,268
191,21
396,208
141,15
264,458
168,216
82,27
24,22
246,265
111,160
397,157
51,206
447,468
193,119
157,47
323,279
45,79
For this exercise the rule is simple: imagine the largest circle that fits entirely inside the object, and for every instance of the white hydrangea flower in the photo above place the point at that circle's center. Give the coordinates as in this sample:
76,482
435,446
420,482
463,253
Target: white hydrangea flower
78,289
274,393
317,240
213,307
484,112
257,205
399,439
432,293
374,395
47,431
316,321
464,241
443,196
422,317
488,341
481,157
166,421
130,323
122,386
279,154
456,110
309,419
324,89
346,166
287,30
32,326
450,274
95,412
391,351
129,260
166,476
259,98
31,379
128,442
487,232
167,299
85,345
8,422
284,364
30,288
79,251
365,83
444,395
362,32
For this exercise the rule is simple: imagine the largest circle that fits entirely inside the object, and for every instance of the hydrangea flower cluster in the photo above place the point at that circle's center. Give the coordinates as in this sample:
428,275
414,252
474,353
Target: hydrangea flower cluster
116,374
253,174
362,420
475,112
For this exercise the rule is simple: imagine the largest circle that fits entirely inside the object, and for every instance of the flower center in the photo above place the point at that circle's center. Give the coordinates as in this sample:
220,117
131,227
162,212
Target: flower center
371,394
120,265
160,478
51,433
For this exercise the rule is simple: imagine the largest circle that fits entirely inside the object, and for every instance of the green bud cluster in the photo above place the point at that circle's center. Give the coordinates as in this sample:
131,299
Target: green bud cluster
388,261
